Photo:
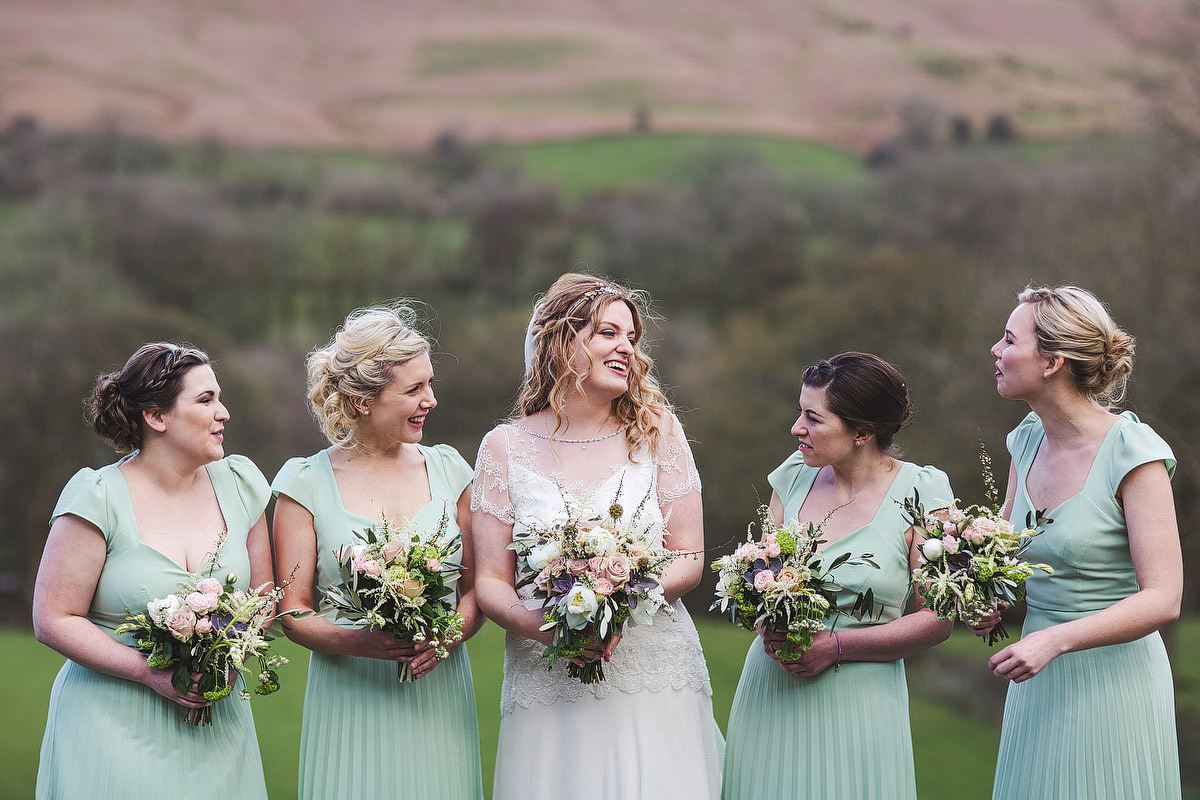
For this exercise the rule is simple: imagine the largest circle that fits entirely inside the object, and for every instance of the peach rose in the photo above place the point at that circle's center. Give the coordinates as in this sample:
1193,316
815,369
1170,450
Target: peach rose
410,588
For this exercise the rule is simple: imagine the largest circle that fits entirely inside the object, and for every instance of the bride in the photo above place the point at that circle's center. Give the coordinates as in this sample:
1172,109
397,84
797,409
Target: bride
590,419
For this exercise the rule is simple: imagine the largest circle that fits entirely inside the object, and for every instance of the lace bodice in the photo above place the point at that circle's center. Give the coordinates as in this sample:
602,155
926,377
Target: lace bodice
520,477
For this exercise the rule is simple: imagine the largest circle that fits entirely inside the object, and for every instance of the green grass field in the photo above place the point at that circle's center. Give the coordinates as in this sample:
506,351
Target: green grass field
581,165
27,670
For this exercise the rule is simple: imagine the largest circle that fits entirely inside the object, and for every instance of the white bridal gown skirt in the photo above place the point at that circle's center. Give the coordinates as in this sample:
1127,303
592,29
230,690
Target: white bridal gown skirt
645,733
649,744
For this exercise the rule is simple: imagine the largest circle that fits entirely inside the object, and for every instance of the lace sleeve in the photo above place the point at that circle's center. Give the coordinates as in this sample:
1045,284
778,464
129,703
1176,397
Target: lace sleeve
677,475
489,493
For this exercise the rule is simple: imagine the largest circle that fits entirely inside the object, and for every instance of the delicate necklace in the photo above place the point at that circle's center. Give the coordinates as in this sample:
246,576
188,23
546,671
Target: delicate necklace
582,442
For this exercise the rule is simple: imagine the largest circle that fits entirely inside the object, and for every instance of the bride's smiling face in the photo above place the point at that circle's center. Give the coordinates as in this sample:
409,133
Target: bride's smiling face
604,354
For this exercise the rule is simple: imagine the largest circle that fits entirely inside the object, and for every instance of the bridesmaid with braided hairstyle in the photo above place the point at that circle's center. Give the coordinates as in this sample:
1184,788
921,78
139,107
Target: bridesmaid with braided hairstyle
121,536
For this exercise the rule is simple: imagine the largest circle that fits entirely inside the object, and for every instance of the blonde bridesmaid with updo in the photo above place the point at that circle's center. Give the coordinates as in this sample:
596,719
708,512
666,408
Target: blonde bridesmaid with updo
1090,711
366,734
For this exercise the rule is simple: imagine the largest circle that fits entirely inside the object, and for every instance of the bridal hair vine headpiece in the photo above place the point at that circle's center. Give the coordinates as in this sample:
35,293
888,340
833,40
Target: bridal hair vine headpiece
601,288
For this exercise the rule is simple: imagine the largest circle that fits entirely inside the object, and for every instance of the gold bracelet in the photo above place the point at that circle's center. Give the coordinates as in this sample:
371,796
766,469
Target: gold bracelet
514,605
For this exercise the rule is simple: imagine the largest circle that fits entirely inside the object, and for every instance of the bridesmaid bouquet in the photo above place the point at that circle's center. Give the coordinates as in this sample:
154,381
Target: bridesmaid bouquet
401,580
213,629
593,573
971,564
779,582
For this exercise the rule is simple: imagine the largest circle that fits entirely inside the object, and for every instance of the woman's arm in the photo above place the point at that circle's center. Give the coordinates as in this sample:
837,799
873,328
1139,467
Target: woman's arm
891,641
66,583
495,567
685,530
296,556
1149,506
681,505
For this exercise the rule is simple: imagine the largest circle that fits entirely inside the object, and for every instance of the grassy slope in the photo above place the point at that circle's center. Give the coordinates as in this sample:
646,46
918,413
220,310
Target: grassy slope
579,165
942,736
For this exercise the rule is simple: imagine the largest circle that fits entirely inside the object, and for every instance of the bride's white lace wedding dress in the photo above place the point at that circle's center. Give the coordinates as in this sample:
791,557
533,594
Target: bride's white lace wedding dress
647,730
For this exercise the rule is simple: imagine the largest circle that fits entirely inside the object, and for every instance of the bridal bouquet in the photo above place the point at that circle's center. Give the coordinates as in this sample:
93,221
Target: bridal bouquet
971,564
210,628
779,581
401,580
593,573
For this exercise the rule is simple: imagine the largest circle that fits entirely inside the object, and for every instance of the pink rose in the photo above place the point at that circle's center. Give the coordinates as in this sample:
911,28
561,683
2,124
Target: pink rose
542,581
748,551
617,570
763,579
984,525
604,586
972,535
392,551
209,586
950,543
433,565
596,564
577,566
201,603
955,515
770,546
203,625
368,565
181,624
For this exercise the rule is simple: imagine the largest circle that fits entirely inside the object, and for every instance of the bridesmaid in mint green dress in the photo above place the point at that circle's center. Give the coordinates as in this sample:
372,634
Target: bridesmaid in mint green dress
835,723
1091,709
365,734
124,535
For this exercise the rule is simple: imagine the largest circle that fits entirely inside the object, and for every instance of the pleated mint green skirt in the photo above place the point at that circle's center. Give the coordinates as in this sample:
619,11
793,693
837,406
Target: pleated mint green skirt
366,735
842,734
107,737
1096,724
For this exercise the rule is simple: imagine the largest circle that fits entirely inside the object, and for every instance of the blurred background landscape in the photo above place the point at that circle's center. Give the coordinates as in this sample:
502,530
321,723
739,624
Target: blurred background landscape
788,180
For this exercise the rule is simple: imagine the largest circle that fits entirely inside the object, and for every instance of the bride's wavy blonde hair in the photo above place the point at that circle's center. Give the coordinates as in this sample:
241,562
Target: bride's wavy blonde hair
573,304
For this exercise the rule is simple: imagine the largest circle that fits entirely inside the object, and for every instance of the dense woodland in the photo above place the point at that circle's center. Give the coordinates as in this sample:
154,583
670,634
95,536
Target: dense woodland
108,240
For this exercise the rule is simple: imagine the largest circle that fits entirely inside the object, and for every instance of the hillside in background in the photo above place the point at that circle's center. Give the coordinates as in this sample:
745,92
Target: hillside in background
384,75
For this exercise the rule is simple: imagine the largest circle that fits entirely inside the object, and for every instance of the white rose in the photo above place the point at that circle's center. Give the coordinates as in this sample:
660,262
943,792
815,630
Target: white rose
163,607
601,542
540,556
932,549
580,605
647,607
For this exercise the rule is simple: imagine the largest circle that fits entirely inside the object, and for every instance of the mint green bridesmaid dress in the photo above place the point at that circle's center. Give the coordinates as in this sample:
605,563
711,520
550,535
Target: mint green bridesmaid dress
1100,723
365,734
110,737
844,733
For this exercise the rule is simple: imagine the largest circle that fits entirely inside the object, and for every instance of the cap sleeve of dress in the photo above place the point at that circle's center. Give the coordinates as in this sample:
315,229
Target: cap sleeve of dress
457,471
296,479
784,478
251,486
490,492
1020,437
86,496
1137,444
934,486
677,473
